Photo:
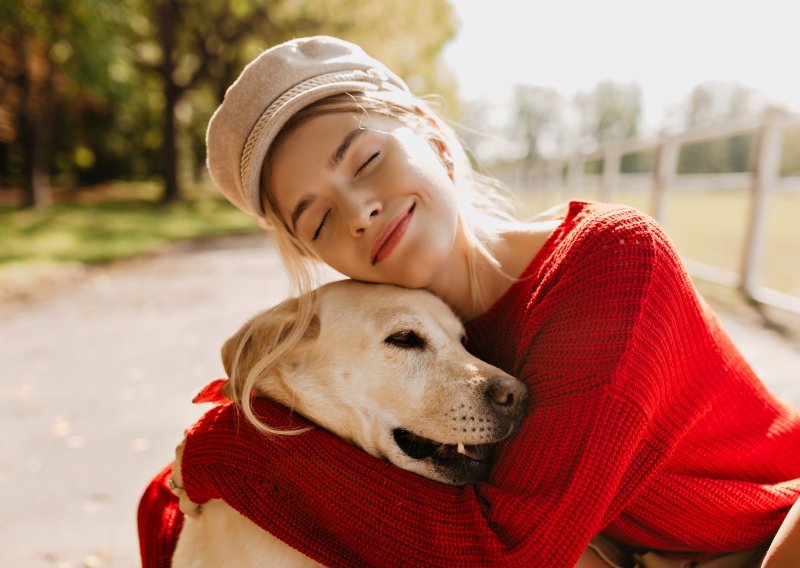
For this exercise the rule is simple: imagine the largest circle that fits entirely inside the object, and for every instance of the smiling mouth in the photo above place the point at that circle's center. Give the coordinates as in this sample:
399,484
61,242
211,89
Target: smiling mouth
391,235
419,448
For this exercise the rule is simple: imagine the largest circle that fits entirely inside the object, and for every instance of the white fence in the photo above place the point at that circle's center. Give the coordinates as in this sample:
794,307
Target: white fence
763,180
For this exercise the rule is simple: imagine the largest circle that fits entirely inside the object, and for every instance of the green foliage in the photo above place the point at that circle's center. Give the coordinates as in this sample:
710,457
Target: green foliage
717,156
638,162
100,123
593,167
107,59
537,113
716,102
790,161
612,111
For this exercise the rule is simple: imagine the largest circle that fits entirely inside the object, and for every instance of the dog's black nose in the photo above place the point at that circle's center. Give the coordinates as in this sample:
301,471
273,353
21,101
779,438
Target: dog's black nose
505,392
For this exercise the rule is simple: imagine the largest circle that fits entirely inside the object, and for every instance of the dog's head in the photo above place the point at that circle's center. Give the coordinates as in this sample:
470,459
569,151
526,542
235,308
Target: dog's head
385,369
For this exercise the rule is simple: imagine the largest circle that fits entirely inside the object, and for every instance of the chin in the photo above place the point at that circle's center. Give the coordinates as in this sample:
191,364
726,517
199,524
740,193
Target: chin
417,280
423,270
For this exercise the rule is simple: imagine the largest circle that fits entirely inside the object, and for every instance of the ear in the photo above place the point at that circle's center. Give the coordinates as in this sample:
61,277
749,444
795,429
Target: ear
258,338
444,155
436,136
440,146
231,346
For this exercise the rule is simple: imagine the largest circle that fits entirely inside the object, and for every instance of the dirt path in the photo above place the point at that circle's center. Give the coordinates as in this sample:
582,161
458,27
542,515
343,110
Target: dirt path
97,379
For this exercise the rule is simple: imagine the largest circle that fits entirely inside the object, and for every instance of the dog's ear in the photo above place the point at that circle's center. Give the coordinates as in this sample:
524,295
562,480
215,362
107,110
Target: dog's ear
230,348
258,338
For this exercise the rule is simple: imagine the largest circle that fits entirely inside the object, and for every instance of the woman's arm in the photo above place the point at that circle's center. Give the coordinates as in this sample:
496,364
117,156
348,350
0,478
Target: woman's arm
580,457
343,507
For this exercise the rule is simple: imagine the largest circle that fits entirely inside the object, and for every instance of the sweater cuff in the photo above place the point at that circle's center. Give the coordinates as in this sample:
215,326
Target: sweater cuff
223,439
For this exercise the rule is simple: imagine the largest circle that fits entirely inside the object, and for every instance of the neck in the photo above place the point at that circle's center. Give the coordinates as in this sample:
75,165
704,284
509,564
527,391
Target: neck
514,250
454,283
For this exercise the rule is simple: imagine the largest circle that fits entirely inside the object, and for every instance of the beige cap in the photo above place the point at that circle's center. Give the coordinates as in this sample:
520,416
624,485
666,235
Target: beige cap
275,85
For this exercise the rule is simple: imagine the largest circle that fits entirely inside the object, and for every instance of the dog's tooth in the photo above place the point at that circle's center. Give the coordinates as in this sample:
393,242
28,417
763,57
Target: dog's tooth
460,448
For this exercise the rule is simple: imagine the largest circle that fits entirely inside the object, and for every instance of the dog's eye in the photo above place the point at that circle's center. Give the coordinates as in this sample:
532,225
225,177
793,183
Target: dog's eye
407,339
463,340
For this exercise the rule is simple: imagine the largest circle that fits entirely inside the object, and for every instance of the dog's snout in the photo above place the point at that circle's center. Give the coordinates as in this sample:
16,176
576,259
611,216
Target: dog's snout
505,392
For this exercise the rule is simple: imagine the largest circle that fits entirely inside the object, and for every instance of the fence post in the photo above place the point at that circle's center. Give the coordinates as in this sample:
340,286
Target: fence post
664,169
766,169
612,159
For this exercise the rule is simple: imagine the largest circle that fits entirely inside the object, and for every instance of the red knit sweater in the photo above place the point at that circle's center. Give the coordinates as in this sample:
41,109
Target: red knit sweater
646,423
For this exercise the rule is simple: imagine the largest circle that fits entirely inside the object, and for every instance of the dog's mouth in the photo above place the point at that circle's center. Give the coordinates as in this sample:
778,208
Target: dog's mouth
420,448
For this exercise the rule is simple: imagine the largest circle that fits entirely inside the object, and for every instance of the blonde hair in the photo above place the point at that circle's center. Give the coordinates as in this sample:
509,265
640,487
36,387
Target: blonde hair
485,209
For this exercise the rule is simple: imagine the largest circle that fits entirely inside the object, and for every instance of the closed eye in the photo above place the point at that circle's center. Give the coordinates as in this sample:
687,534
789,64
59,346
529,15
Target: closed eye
321,224
406,339
366,164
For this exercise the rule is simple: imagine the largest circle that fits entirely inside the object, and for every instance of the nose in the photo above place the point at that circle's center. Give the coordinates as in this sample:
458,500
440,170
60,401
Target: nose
360,213
505,394
359,223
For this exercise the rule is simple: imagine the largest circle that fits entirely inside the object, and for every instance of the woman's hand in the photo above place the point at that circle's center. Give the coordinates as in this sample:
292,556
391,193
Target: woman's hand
187,506
785,548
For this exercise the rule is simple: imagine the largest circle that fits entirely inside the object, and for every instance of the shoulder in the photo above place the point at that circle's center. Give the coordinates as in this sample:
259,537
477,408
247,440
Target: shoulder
595,223
607,261
602,236
612,274
597,248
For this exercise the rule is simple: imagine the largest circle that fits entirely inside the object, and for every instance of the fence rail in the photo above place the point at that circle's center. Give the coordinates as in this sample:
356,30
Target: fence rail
763,180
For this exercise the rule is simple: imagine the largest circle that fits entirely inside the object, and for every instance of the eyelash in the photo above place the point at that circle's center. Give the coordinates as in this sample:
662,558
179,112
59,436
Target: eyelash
321,225
361,168
371,159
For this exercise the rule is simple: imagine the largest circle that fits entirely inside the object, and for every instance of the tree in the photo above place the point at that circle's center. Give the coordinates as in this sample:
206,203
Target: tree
612,111
192,48
92,90
718,103
51,62
537,114
28,77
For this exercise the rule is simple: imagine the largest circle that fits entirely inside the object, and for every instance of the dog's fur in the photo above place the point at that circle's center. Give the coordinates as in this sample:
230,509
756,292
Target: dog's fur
383,368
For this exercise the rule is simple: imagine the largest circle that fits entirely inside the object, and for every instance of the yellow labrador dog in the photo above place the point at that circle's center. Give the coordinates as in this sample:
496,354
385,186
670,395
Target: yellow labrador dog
385,369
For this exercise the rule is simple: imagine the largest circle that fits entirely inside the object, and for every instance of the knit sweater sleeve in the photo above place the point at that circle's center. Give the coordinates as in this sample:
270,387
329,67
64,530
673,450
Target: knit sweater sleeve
583,451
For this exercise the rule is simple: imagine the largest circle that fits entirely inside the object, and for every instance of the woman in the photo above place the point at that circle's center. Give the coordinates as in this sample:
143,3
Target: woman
646,423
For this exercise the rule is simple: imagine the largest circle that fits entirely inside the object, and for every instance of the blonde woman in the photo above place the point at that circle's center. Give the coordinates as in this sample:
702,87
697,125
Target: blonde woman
646,424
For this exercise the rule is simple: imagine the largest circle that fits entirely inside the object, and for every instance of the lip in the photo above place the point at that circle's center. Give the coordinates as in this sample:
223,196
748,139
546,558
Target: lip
391,235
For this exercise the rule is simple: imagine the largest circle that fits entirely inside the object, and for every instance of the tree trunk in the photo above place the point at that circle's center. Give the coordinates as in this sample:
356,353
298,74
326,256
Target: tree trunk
167,23
37,127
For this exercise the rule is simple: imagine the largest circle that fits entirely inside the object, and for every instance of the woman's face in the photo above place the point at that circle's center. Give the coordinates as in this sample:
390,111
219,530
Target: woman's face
369,196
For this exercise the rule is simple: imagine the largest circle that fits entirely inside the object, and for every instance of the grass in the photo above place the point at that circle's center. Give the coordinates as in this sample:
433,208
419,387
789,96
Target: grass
111,223
710,227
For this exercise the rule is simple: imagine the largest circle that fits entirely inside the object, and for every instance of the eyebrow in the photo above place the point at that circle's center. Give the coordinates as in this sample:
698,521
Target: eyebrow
338,155
336,159
298,210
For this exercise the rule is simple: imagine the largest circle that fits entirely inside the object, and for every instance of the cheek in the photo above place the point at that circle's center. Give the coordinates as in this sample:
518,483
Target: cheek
432,245
341,256
444,208
397,380
420,272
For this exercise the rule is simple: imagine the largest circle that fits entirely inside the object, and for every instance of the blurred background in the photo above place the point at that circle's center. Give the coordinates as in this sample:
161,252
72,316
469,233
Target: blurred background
122,272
